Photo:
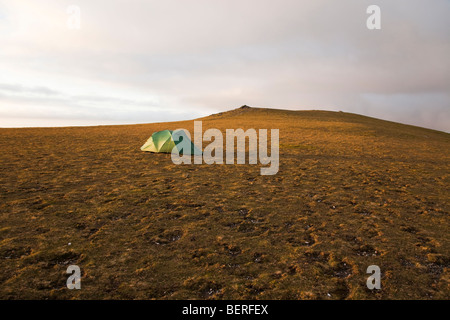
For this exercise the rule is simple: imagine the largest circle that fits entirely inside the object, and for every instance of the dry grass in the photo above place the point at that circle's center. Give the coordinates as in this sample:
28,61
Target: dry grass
352,191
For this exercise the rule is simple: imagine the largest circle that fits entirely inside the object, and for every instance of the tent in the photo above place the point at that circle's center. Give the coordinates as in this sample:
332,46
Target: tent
164,141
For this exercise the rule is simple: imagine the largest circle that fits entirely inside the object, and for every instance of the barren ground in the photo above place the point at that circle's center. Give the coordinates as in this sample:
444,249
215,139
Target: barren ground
352,191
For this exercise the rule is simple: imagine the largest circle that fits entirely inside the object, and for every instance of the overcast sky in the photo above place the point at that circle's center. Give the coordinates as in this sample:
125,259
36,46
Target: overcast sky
142,61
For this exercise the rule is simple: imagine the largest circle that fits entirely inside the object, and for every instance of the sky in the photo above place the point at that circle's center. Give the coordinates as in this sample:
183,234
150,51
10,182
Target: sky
136,61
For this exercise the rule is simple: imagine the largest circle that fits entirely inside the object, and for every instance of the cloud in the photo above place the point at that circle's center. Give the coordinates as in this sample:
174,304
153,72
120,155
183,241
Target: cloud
200,57
22,89
43,103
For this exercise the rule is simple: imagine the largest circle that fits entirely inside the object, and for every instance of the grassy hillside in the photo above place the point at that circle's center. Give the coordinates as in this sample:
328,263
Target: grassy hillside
352,191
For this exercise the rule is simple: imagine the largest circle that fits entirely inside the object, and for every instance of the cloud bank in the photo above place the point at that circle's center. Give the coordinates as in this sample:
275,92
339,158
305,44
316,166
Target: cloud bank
145,61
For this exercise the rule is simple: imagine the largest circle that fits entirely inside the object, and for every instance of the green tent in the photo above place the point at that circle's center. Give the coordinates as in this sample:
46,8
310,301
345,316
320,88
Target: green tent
164,141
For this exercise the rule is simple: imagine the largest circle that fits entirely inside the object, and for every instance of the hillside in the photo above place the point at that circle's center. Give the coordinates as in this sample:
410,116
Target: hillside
351,191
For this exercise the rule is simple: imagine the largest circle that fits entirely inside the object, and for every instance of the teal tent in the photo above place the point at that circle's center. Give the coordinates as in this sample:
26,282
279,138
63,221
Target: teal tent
164,141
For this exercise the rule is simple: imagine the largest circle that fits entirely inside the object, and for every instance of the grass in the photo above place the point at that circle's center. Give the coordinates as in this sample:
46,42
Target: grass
351,191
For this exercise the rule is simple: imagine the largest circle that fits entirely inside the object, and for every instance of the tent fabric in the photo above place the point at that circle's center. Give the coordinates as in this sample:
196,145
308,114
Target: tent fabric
164,142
